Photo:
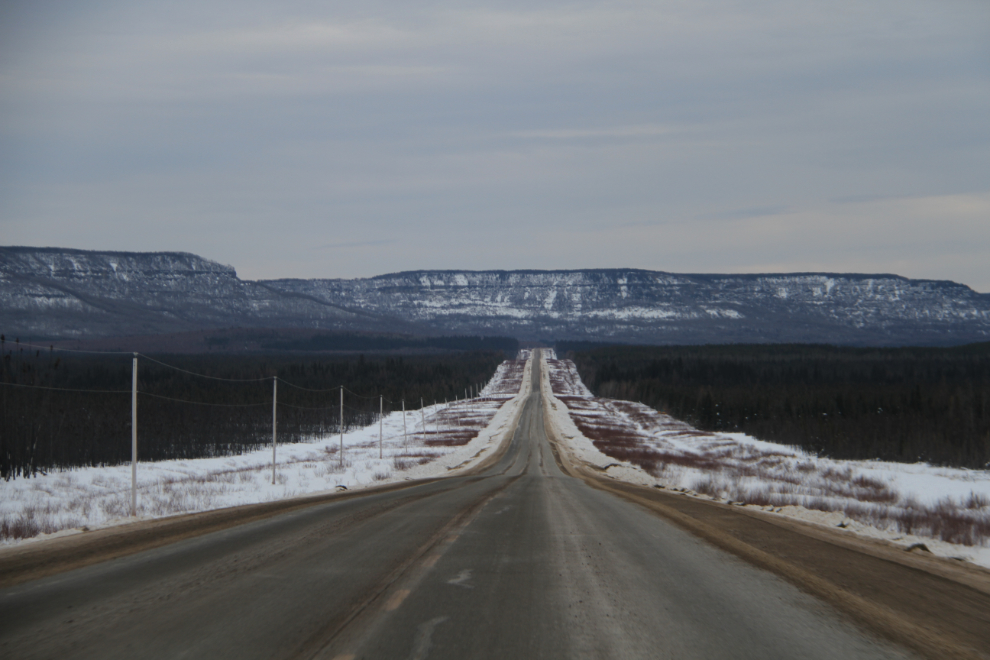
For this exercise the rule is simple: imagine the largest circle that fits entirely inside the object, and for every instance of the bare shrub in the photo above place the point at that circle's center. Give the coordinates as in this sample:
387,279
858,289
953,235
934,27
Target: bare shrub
116,507
977,501
333,466
759,497
711,485
31,522
400,463
222,476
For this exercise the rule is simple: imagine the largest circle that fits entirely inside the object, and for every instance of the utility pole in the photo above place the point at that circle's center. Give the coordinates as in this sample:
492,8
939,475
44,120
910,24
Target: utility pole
381,407
422,414
405,436
134,369
274,423
341,426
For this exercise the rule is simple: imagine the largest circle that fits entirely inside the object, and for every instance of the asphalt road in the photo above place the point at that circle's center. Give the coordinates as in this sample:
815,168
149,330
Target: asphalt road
518,562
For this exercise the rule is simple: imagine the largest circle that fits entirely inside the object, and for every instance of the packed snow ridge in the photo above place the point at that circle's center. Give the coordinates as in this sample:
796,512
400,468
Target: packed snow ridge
947,509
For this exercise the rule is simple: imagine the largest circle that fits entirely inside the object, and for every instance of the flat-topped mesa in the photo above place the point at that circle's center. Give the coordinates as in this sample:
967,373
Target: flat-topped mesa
61,293
658,307
648,295
58,293
76,265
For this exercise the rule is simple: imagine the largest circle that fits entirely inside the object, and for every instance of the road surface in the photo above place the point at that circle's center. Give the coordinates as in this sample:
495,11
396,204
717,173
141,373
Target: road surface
520,561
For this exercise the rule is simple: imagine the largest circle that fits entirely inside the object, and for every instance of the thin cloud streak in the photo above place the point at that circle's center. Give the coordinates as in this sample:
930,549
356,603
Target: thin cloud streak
644,131
354,244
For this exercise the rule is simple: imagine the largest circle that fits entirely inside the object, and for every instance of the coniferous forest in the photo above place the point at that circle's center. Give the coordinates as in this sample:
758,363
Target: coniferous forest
185,415
895,404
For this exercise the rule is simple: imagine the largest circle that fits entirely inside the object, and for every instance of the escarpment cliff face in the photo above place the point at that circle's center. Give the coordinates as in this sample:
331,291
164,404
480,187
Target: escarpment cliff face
50,292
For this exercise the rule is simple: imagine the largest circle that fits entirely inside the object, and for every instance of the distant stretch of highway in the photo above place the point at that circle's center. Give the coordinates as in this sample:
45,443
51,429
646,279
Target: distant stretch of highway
520,560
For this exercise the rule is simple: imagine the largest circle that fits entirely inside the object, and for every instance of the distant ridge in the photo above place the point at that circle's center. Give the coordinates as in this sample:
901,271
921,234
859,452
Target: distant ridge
66,293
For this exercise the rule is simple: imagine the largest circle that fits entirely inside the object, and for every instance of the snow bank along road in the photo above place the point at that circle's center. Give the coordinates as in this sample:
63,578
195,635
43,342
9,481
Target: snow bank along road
518,559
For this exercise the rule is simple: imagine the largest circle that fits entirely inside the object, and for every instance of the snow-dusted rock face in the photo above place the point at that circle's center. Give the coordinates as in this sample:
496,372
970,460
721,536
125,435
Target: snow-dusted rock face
53,292
649,306
65,293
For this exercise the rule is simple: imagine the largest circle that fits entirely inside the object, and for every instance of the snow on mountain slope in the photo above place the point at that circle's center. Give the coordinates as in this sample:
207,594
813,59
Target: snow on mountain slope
655,306
72,293
69,293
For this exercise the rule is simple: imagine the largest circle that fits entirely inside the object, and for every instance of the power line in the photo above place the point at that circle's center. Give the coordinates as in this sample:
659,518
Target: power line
193,373
361,396
289,405
66,389
309,389
203,403
68,350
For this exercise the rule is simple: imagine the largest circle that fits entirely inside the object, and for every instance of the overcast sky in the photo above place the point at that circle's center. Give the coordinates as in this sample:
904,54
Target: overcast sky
349,139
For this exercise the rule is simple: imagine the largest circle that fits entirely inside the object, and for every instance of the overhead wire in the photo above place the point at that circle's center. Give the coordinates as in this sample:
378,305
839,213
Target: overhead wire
308,389
191,373
361,396
289,405
65,389
51,347
203,403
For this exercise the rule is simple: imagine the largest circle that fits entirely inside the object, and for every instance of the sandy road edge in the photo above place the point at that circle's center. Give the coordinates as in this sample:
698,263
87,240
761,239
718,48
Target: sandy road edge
42,558
874,617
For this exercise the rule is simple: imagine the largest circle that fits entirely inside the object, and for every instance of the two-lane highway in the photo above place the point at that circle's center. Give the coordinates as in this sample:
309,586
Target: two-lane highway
519,561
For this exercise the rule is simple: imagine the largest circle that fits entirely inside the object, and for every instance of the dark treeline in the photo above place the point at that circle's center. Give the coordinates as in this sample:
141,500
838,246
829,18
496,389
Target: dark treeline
896,404
365,342
51,429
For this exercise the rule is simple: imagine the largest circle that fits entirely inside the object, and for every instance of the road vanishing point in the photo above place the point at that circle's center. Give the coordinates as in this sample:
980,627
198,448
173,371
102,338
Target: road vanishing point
519,560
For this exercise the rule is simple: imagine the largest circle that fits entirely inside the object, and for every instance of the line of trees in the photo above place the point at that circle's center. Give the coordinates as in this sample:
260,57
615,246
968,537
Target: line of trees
895,404
53,429
346,341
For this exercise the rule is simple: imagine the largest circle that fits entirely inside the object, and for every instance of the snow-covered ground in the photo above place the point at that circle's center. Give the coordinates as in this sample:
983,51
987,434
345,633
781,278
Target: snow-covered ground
456,437
946,509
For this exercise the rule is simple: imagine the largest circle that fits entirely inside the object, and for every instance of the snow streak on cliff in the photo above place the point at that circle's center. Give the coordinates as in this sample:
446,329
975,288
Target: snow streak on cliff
56,292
